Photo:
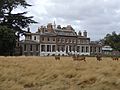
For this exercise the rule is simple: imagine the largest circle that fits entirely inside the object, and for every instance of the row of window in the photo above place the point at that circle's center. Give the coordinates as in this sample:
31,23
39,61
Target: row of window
95,49
48,48
52,48
66,40
30,38
62,48
83,49
31,47
48,39
62,40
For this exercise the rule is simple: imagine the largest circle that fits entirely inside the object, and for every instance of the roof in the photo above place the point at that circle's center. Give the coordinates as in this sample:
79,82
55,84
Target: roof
60,32
48,33
65,32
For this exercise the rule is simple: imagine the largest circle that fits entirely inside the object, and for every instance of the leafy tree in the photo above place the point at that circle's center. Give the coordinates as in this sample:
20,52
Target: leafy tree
113,40
7,41
12,22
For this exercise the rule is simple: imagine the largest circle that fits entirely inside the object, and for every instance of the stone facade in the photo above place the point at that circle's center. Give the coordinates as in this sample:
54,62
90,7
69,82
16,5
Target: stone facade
52,40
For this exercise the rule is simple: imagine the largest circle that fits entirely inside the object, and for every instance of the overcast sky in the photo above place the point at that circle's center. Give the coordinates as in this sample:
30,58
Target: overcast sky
97,17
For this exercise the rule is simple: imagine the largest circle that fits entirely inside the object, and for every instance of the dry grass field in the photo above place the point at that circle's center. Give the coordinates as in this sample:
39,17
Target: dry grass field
45,73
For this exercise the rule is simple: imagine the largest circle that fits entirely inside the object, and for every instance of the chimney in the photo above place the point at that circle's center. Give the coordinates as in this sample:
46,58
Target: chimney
54,26
50,27
58,27
79,33
69,27
28,30
85,33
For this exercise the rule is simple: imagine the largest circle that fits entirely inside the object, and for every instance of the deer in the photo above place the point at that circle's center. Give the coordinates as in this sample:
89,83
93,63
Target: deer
79,58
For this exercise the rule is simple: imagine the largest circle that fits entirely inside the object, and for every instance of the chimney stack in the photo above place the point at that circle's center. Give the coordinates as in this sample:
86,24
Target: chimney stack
85,33
79,33
28,30
50,27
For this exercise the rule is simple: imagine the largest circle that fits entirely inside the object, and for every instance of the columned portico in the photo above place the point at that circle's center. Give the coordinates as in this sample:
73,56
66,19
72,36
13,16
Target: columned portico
83,49
47,49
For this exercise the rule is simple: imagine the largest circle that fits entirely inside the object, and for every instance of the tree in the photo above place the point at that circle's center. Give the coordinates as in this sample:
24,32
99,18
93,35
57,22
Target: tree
7,41
13,22
113,40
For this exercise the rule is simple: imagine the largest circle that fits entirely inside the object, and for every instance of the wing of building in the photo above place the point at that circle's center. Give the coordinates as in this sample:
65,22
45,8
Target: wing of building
52,40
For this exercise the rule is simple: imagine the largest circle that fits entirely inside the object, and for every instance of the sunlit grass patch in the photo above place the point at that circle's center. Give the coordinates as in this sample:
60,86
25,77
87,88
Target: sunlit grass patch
45,73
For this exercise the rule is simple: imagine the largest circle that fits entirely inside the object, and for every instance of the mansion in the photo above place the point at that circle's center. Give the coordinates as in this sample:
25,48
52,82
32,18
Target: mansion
57,40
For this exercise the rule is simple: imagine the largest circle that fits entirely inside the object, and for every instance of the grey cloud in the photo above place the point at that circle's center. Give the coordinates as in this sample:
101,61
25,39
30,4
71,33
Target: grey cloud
98,17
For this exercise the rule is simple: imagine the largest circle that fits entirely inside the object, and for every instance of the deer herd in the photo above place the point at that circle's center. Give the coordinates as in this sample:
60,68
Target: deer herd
83,57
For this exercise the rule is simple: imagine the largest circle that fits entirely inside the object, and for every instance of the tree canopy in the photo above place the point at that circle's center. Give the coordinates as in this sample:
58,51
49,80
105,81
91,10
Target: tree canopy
16,21
7,41
12,23
113,40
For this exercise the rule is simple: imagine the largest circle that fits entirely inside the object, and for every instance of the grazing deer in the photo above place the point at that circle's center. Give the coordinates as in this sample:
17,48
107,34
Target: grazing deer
79,58
99,57
57,57
115,55
115,58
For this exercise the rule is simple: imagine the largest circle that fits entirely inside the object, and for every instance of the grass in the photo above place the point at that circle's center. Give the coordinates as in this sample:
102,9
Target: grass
45,73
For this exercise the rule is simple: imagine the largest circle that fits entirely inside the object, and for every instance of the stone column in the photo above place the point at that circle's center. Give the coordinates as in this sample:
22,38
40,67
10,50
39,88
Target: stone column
89,48
65,49
45,48
80,49
68,48
85,49
40,49
51,47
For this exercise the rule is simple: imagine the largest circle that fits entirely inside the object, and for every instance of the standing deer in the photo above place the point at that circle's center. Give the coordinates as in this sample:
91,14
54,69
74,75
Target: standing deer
57,57
99,57
115,55
115,58
79,58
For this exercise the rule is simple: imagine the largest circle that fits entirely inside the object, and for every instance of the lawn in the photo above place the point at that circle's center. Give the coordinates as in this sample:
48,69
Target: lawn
45,73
